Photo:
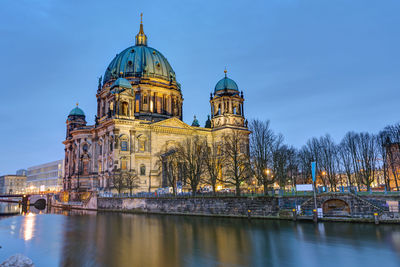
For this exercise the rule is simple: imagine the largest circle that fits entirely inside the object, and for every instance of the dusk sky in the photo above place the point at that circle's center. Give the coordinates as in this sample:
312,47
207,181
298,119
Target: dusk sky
310,66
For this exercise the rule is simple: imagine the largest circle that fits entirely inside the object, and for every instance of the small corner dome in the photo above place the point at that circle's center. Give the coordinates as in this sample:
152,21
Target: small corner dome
77,112
226,83
195,122
123,83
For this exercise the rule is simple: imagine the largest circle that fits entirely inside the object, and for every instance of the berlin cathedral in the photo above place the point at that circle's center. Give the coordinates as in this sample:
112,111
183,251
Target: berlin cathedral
139,114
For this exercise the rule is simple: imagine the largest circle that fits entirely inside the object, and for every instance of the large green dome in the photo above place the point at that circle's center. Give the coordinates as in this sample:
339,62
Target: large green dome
139,61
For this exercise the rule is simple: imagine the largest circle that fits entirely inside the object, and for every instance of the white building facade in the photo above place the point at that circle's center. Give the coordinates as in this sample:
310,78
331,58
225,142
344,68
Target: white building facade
45,177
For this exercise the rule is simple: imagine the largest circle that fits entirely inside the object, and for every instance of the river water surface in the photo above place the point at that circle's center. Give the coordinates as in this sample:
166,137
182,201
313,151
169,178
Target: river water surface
113,239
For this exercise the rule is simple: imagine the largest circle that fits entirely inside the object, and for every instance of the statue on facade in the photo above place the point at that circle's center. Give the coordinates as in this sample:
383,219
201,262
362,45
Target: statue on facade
99,84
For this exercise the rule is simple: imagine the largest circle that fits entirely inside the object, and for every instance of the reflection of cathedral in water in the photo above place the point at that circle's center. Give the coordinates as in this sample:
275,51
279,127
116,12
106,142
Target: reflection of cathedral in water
139,114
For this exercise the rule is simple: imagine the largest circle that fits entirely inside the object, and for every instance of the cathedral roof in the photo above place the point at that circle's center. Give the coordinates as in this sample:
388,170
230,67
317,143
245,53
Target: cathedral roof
140,61
123,83
226,83
77,112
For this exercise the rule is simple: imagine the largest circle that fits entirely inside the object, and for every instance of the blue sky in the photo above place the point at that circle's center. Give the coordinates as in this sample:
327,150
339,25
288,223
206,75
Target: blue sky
310,66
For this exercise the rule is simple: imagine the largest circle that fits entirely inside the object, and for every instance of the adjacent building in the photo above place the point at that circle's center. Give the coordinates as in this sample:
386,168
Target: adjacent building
139,117
12,184
45,177
22,172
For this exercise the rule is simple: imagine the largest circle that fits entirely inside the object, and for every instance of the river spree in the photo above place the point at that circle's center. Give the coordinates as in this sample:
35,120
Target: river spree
113,239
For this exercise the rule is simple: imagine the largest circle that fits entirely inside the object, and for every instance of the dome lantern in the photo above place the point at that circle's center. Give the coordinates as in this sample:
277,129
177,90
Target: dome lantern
141,38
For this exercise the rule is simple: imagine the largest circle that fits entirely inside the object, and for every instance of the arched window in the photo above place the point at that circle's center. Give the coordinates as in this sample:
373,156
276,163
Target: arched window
142,145
124,145
142,170
103,108
124,164
137,102
125,109
124,142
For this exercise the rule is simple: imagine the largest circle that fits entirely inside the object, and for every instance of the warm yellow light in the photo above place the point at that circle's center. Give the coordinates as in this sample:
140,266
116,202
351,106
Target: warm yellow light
28,226
219,187
324,173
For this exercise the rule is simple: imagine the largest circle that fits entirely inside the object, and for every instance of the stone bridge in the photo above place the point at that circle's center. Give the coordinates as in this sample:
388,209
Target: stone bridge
39,200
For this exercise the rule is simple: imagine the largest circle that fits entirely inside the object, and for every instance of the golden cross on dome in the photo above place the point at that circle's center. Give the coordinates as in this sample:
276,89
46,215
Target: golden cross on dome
225,71
141,18
77,104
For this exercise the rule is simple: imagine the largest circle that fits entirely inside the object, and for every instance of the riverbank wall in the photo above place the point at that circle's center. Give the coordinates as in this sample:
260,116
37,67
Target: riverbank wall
330,206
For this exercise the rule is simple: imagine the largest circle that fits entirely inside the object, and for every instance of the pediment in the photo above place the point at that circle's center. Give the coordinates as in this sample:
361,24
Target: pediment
173,123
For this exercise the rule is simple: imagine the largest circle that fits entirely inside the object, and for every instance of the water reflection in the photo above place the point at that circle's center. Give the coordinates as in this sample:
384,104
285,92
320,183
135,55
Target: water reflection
111,239
9,208
139,240
28,226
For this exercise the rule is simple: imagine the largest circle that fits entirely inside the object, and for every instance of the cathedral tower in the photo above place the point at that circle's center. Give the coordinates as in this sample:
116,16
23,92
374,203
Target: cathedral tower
227,105
76,119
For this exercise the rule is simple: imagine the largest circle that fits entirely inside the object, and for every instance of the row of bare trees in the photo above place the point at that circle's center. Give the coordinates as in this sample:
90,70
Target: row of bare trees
196,161
357,161
125,179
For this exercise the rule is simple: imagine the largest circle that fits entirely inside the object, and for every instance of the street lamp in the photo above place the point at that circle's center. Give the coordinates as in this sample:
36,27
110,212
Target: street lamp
267,171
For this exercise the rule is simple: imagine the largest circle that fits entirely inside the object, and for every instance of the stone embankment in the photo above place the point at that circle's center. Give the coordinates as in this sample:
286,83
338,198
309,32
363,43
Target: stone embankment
17,260
331,207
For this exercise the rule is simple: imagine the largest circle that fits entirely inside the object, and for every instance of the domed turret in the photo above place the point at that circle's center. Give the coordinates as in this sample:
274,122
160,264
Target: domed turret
76,111
122,83
226,84
227,105
195,122
76,119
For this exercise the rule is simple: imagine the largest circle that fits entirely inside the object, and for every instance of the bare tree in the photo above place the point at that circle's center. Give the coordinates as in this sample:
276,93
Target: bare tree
350,144
192,155
367,152
262,142
345,161
213,163
281,165
131,180
168,164
383,140
328,160
237,167
293,165
118,180
305,158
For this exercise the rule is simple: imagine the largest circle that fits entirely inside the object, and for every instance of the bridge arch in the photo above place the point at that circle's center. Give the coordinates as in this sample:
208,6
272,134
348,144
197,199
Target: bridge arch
335,207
